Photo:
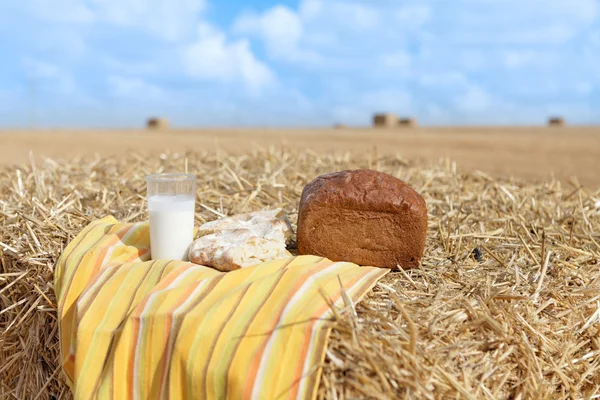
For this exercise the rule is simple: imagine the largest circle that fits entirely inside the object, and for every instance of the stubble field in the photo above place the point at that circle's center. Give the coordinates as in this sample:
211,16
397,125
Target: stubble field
531,153
505,303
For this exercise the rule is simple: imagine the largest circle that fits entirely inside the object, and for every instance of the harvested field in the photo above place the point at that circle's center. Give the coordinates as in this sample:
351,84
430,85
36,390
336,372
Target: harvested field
533,153
505,305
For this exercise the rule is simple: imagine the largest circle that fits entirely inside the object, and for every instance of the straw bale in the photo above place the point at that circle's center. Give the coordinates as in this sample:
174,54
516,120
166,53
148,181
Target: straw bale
157,123
506,303
385,120
407,122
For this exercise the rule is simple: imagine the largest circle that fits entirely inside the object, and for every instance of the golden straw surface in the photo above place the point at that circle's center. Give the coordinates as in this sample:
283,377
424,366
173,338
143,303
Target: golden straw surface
506,303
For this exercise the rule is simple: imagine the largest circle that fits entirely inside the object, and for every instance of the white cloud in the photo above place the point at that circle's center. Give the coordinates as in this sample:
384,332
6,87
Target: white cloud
282,30
51,92
212,57
575,11
469,58
518,59
64,11
359,15
476,57
584,87
350,13
443,79
502,22
8,98
128,87
474,100
46,76
170,19
401,59
393,100
130,67
280,27
594,39
414,16
438,60
40,69
62,43
309,9
331,34
436,114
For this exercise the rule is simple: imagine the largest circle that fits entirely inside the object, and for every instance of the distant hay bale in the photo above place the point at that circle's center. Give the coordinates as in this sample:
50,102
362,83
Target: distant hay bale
385,120
157,123
556,121
339,126
407,122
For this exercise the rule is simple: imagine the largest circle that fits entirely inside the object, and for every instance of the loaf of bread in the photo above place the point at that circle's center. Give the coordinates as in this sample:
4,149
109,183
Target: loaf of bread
242,240
362,216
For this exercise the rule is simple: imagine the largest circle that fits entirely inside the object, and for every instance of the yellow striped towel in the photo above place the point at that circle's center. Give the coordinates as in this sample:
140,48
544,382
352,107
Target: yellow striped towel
131,328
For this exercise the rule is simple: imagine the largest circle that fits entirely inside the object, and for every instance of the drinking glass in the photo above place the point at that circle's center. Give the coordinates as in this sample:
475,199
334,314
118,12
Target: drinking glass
171,203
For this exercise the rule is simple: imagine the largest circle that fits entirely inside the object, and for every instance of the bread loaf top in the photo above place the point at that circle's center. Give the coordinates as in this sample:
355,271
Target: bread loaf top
362,190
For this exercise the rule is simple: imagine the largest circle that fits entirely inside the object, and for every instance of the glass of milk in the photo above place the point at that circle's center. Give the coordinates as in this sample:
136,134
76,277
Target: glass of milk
171,200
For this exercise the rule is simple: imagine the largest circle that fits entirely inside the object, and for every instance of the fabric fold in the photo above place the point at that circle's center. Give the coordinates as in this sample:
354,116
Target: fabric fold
131,328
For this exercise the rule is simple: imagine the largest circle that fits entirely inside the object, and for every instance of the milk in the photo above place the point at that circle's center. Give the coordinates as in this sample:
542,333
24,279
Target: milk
171,226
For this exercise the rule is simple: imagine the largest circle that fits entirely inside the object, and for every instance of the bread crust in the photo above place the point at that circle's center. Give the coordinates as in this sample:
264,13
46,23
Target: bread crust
362,216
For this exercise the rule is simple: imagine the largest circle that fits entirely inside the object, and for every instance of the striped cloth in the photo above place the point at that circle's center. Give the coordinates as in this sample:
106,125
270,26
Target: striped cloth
131,328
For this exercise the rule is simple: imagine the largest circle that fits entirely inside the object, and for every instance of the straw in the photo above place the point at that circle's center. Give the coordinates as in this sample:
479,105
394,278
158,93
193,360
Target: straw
522,322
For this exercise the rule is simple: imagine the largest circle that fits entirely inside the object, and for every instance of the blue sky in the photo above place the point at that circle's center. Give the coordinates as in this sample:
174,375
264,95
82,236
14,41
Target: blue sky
112,63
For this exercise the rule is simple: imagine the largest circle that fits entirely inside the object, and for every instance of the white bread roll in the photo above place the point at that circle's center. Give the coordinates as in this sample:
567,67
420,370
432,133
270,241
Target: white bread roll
242,240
